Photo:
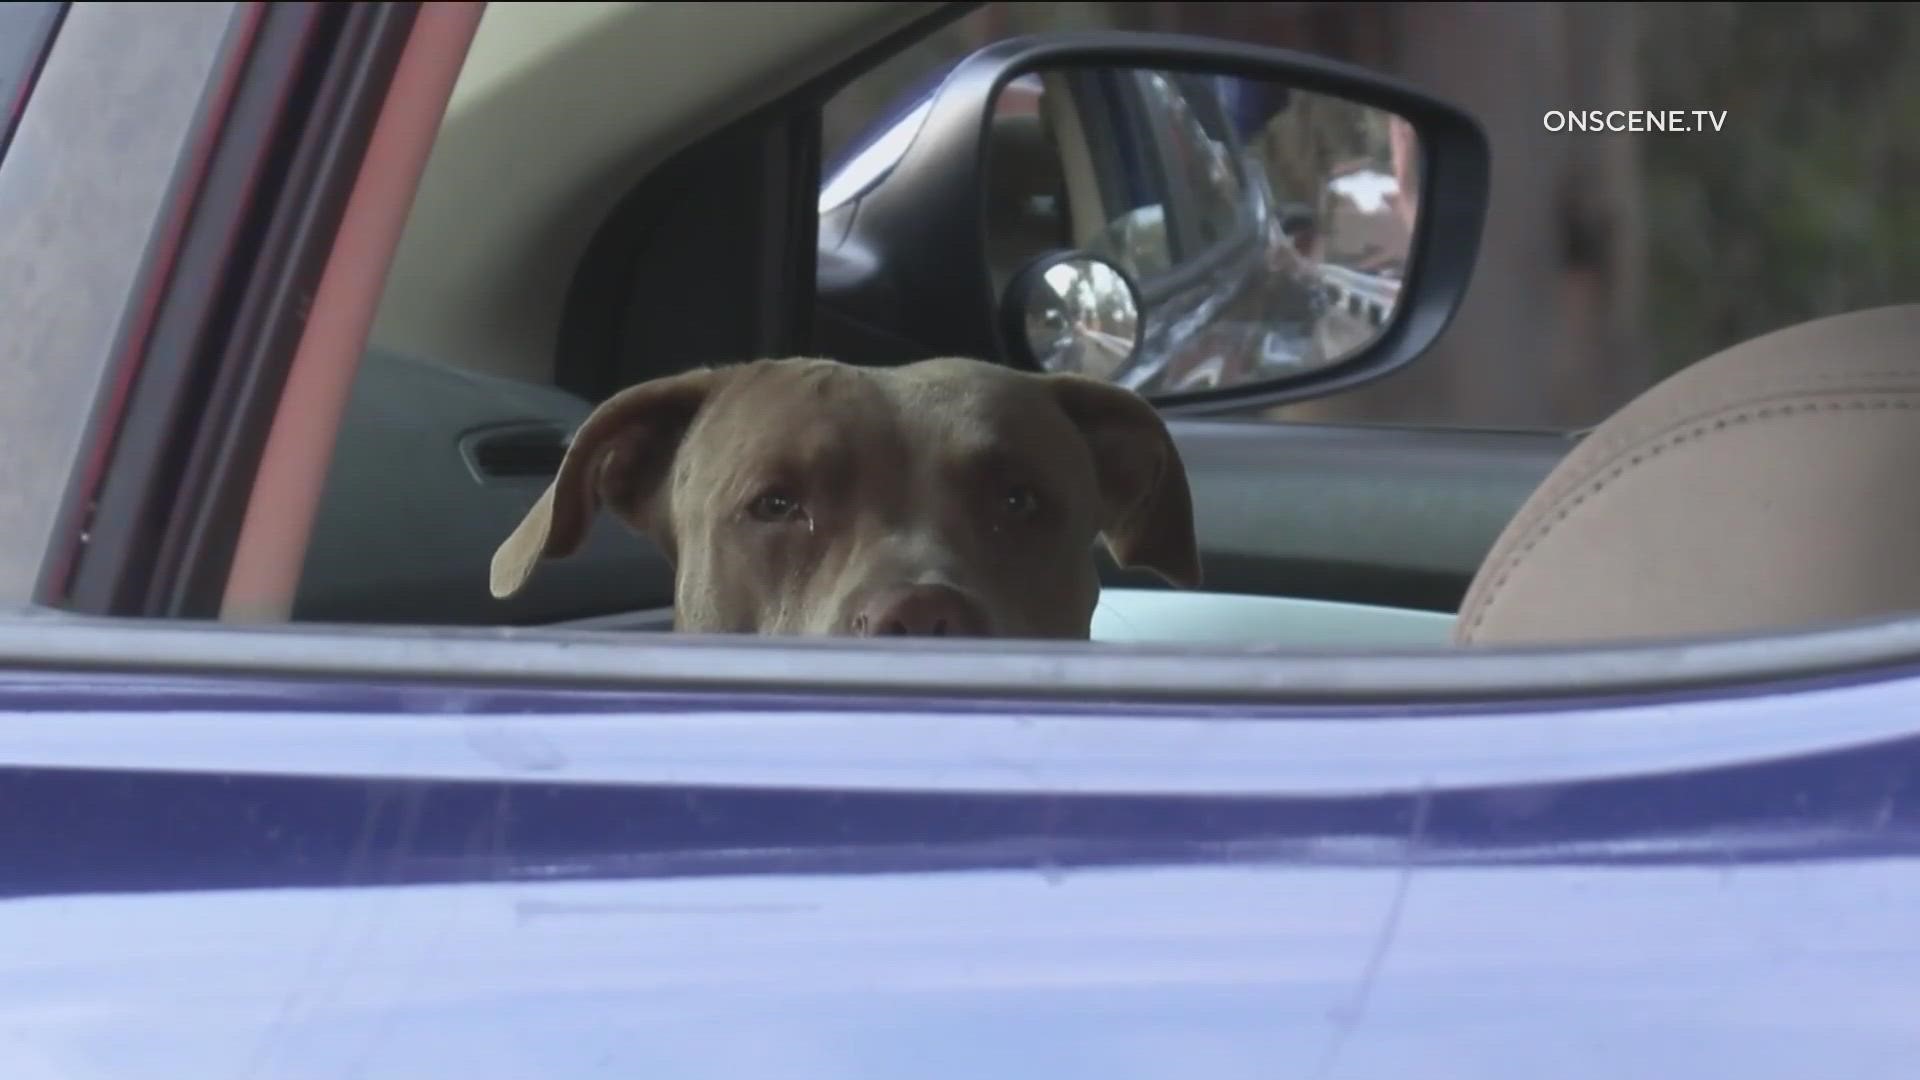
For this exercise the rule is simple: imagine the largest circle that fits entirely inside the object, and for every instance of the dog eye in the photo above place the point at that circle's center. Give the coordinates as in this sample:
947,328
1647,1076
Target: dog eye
1021,501
773,506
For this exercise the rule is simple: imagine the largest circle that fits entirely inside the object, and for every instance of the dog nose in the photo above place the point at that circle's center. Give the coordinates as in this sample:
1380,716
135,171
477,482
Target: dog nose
919,611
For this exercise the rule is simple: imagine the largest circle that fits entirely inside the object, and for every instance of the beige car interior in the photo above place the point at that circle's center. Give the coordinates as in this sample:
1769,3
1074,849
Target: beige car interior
552,122
1767,487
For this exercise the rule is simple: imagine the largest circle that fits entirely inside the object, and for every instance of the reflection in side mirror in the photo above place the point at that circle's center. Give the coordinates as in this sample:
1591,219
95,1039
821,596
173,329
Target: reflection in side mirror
1263,207
1261,232
1076,314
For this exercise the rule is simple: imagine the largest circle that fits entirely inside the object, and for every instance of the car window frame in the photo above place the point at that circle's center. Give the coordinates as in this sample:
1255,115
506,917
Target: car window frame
1499,684
255,209
80,270
27,32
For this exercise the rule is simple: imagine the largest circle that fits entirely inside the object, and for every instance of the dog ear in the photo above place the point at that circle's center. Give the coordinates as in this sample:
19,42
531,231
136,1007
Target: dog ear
1148,521
620,457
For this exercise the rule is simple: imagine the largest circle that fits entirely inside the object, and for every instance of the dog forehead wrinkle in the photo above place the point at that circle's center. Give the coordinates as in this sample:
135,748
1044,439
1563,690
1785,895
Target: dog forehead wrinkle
785,405
988,438
846,451
960,410
757,389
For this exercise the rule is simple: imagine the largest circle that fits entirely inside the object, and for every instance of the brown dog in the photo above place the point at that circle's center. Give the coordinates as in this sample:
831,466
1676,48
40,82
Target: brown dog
810,497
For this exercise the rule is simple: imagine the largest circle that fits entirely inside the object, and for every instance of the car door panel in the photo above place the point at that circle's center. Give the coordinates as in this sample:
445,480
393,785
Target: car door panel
1398,517
322,876
433,468
436,465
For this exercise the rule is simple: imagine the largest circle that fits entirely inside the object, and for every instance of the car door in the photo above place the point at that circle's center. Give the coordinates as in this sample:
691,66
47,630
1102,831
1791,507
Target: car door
250,847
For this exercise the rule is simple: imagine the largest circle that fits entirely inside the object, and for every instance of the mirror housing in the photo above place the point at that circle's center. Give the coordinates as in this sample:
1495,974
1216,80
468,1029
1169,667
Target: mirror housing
904,268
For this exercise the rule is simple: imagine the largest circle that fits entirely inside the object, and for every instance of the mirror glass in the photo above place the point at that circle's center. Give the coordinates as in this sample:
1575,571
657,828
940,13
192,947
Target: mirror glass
1078,314
1261,230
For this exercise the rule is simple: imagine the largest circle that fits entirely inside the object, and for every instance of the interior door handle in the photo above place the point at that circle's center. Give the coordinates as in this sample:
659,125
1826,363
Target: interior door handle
516,452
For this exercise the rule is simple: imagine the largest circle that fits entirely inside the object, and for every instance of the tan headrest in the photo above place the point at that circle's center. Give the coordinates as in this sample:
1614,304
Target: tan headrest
1774,485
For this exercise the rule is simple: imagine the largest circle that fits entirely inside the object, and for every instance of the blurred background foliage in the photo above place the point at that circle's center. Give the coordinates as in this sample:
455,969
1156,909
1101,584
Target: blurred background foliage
1609,260
1803,205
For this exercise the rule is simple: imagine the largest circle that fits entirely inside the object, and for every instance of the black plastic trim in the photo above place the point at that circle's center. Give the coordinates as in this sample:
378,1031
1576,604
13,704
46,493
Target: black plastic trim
694,265
767,160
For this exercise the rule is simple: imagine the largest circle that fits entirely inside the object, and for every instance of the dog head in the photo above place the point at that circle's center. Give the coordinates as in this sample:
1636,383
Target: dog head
809,497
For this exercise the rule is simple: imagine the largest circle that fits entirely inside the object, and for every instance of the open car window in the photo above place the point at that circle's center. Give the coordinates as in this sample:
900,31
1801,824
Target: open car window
483,429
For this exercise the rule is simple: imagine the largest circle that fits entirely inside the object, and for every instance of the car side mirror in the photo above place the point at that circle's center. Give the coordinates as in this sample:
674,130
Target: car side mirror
1214,225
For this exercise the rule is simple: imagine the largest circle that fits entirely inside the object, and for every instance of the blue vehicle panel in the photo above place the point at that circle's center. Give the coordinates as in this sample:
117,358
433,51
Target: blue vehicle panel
304,879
